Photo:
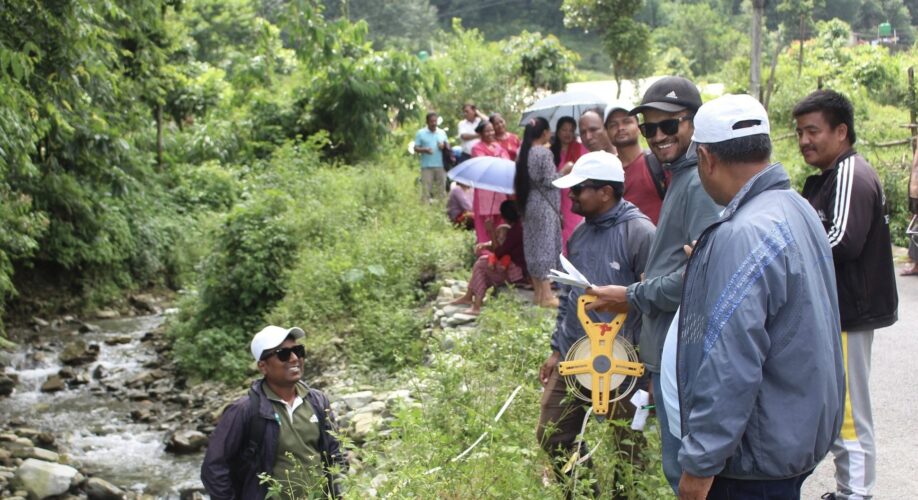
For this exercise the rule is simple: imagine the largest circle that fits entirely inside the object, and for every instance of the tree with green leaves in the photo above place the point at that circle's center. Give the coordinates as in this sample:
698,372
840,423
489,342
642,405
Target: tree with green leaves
627,41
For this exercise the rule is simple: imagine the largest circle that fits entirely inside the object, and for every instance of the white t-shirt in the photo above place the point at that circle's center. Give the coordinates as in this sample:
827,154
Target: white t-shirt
467,127
668,383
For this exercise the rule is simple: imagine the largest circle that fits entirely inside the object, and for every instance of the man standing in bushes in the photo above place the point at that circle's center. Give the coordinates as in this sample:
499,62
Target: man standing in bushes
609,247
430,142
282,428
849,199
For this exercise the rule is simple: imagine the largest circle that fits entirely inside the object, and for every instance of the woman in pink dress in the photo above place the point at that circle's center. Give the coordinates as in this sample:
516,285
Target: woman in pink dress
507,140
567,150
486,204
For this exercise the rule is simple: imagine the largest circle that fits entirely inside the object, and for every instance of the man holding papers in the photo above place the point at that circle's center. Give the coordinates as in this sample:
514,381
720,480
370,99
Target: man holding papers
609,247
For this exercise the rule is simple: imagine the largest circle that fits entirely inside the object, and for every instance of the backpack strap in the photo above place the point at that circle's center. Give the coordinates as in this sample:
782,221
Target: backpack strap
656,173
255,430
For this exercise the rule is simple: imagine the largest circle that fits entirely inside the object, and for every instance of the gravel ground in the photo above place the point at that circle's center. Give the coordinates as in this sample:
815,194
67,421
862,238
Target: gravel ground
894,394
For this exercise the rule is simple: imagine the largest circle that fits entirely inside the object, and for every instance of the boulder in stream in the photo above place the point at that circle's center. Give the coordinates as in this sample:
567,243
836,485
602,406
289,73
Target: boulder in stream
185,441
53,384
44,479
145,303
6,385
79,352
100,489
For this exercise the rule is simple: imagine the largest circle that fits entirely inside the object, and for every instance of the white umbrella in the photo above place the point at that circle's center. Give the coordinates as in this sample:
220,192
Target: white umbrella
571,103
485,172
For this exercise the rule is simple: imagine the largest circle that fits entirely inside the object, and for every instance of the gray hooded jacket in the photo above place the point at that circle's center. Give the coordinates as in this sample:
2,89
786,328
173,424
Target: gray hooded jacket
609,249
759,359
687,210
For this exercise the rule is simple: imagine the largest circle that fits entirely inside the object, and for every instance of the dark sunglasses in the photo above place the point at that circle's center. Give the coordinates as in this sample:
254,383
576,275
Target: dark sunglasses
283,354
669,127
578,188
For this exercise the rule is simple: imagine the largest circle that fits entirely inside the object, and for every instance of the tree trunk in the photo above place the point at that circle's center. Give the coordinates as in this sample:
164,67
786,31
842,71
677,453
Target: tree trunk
800,55
770,86
755,70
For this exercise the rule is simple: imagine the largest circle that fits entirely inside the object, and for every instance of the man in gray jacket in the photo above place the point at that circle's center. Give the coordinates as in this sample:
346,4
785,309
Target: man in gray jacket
668,107
610,246
759,356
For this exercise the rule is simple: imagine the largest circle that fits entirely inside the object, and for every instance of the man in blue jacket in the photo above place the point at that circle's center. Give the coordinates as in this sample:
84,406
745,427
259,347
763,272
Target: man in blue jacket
759,356
609,247
282,428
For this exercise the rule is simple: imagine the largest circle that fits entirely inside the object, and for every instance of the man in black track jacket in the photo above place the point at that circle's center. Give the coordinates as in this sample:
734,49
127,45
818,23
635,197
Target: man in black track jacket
849,199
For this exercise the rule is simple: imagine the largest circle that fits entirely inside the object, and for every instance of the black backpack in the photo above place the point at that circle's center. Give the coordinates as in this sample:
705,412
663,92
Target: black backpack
656,173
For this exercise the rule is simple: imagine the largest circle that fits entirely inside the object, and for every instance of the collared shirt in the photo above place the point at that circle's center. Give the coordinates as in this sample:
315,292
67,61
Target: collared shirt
299,436
427,139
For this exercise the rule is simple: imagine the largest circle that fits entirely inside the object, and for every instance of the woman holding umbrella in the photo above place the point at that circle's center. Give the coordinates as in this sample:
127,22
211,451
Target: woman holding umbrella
567,150
486,204
540,205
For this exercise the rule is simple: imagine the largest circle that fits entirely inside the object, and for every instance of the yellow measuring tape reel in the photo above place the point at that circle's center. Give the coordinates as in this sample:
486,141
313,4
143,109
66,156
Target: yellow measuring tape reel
601,362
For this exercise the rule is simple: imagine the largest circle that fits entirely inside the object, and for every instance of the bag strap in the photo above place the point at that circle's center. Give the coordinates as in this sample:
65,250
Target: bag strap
656,173
255,430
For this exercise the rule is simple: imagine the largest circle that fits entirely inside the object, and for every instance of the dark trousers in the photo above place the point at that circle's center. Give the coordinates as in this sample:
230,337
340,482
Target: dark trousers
561,418
740,489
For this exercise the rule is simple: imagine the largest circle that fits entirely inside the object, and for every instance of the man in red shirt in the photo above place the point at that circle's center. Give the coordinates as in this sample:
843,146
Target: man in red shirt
640,185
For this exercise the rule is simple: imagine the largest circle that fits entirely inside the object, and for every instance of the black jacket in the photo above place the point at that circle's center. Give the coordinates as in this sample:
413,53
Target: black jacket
227,479
850,202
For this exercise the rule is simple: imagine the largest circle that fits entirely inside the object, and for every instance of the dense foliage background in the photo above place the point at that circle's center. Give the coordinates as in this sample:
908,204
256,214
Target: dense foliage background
250,155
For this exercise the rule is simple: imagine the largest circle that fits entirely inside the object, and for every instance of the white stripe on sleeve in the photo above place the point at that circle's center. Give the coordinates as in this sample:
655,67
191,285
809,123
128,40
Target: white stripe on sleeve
844,180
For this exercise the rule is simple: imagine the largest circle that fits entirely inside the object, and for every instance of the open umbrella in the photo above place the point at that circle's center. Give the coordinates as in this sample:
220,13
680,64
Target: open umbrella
485,172
571,103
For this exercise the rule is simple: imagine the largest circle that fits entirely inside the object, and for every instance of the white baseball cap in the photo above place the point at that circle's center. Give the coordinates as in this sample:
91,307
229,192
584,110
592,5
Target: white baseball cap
598,166
716,120
272,336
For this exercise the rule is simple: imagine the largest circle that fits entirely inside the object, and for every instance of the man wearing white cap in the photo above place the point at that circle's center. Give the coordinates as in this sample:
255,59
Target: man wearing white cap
259,433
609,247
759,366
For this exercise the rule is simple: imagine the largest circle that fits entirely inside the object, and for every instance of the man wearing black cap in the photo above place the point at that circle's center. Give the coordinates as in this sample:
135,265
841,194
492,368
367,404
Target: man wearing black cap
668,107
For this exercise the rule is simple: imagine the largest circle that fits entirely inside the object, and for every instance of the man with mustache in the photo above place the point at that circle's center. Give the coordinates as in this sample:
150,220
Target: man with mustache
668,107
593,133
645,182
848,197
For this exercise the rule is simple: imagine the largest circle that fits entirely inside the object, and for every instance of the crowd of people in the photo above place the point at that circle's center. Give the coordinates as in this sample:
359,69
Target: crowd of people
753,306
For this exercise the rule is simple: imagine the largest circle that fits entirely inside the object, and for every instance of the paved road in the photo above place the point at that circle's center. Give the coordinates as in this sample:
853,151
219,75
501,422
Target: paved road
894,394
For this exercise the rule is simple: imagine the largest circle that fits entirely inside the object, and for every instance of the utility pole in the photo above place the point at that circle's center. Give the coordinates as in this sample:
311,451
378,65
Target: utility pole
755,70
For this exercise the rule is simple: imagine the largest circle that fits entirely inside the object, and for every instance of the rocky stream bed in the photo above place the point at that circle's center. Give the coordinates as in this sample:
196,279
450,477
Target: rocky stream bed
92,408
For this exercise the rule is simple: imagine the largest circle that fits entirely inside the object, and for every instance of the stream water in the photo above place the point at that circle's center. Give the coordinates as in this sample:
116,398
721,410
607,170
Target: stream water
93,428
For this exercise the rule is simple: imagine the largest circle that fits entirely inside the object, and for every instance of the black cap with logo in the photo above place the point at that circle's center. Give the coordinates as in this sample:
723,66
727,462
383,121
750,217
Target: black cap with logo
670,94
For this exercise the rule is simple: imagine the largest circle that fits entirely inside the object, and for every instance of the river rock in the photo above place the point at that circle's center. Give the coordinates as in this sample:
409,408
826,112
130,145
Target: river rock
100,489
357,399
185,441
40,322
36,453
78,353
89,328
462,319
6,385
53,384
364,423
118,339
143,411
145,303
106,314
43,479
374,407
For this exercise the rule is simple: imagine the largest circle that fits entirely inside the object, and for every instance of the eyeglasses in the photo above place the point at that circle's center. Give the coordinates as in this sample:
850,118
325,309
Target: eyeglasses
669,127
578,188
283,354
